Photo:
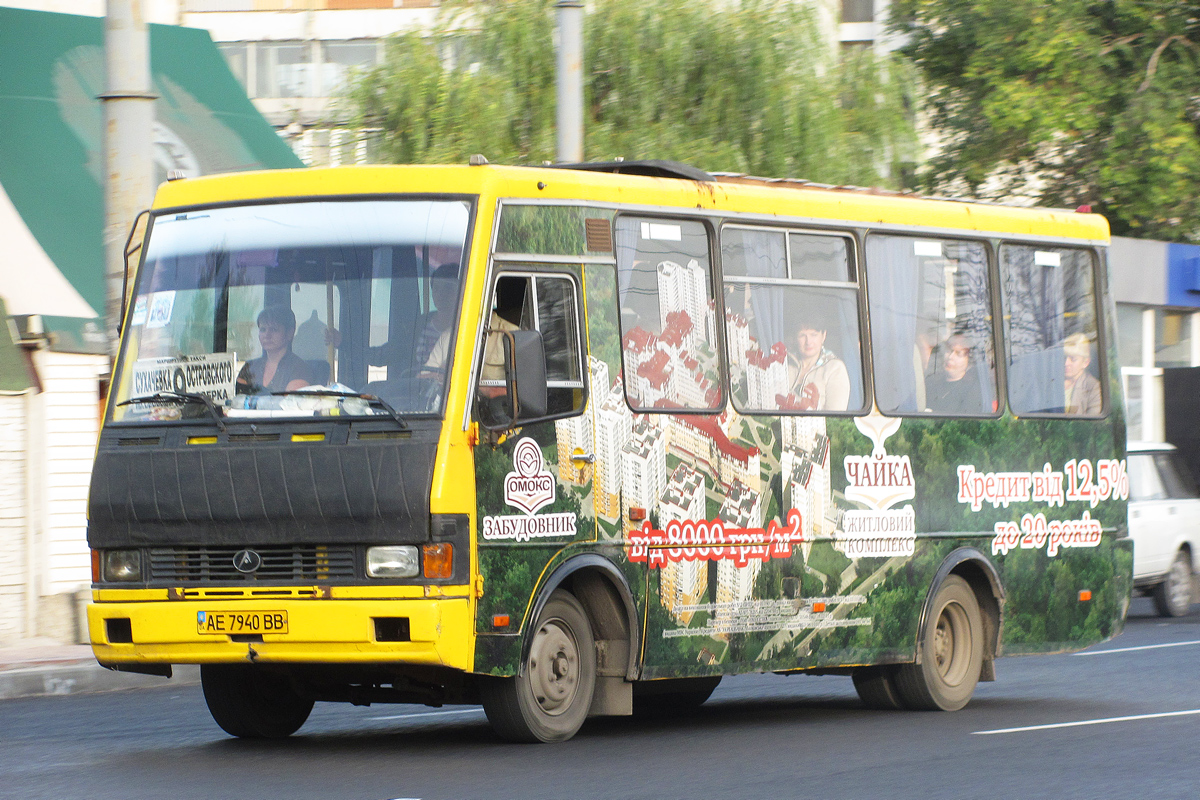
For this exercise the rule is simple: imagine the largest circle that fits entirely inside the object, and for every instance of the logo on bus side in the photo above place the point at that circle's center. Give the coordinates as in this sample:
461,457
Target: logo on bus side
529,487
532,486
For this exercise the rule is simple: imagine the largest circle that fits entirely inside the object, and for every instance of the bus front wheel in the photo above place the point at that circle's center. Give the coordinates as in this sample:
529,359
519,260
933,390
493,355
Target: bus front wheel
952,650
549,700
250,703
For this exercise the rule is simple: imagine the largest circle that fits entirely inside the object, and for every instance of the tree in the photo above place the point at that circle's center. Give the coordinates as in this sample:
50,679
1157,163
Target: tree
747,87
1067,103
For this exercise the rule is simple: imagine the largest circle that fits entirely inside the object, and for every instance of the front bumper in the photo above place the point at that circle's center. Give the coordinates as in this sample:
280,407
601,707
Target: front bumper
324,631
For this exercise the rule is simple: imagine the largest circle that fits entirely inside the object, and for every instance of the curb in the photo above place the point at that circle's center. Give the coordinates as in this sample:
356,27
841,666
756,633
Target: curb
84,678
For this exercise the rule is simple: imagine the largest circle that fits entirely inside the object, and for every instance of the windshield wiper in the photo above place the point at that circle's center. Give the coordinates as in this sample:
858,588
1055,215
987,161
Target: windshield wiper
180,397
370,398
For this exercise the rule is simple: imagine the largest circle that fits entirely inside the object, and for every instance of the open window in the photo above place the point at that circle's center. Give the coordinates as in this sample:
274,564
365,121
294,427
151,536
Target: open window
532,367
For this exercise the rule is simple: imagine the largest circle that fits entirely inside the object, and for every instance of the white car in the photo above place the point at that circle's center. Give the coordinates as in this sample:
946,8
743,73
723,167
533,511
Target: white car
1164,522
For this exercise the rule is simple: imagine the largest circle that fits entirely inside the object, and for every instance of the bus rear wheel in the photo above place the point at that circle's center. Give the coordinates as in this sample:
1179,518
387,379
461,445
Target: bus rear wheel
952,650
250,703
549,700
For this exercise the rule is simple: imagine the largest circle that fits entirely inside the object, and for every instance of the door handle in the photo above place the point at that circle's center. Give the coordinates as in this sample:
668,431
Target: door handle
587,458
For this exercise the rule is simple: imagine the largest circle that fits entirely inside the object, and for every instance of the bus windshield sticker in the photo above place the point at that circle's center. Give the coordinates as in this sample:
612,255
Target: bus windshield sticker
929,249
139,311
529,488
211,375
160,310
1043,258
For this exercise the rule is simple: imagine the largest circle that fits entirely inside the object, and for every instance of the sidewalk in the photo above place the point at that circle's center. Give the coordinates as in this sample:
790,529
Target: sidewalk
39,667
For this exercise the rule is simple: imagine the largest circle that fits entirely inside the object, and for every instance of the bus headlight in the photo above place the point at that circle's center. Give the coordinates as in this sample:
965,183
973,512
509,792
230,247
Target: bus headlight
396,561
122,565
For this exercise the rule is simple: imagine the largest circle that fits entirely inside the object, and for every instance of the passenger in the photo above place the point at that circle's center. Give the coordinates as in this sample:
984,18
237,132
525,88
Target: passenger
820,381
433,342
278,369
951,391
1081,390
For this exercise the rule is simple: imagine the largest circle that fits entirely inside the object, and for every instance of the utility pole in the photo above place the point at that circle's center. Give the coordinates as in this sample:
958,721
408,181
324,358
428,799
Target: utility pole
128,141
570,81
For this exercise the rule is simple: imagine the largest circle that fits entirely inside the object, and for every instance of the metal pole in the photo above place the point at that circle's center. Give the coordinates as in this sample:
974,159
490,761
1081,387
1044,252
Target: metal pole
128,140
570,81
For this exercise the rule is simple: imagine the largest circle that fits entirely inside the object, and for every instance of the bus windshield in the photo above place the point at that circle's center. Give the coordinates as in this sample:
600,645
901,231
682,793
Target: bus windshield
295,309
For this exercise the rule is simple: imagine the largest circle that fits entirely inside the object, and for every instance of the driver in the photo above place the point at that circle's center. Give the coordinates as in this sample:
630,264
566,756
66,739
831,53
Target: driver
278,369
433,343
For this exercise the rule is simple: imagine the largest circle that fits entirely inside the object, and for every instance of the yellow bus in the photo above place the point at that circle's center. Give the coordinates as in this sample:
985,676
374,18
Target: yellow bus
570,442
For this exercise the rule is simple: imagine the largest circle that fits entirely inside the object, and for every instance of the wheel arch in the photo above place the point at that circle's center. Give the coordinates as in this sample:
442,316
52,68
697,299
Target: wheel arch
604,593
970,564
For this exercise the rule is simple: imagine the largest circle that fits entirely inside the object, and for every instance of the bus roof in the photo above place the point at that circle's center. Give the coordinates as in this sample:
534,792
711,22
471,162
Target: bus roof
787,200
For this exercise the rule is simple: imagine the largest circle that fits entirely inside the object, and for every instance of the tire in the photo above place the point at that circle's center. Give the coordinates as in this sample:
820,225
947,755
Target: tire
1173,597
952,650
549,700
250,703
674,696
876,687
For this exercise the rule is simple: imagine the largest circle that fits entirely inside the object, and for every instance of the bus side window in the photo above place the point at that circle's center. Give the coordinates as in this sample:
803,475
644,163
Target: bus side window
791,321
668,315
547,304
931,324
1051,326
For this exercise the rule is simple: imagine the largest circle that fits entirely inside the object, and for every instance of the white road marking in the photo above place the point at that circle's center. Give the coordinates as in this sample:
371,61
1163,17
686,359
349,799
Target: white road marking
1130,649
1088,722
432,714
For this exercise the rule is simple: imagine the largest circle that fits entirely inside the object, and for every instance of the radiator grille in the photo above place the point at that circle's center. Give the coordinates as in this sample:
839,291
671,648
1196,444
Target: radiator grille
279,563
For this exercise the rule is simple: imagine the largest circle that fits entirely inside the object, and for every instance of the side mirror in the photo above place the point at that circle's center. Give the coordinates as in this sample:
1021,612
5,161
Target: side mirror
525,361
524,392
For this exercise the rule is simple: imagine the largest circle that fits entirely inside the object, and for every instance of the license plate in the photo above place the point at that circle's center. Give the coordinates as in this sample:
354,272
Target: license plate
241,622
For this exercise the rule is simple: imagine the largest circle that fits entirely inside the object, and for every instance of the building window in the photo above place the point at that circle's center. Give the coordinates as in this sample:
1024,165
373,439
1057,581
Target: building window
858,10
1172,338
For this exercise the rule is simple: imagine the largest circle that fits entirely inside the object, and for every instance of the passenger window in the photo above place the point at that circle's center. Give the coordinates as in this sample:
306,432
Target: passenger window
1176,477
791,321
1144,482
547,304
1051,329
931,325
668,317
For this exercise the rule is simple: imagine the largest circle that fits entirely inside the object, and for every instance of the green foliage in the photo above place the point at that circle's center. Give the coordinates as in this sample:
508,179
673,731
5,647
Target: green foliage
748,87
1071,102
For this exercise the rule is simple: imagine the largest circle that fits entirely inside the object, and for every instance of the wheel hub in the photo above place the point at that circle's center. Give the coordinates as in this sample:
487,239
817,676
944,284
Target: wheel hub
554,668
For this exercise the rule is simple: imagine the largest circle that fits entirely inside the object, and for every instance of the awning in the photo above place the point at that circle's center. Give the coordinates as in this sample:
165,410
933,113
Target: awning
51,154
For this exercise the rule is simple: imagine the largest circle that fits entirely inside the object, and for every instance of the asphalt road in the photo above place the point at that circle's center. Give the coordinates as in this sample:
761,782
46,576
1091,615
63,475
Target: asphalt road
1119,721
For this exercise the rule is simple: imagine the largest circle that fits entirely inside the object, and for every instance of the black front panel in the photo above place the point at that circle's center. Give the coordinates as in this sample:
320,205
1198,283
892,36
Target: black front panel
273,492
303,563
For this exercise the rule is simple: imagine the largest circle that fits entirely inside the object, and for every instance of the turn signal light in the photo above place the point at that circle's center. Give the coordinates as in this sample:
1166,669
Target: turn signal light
637,513
818,608
1085,595
438,560
500,620
95,566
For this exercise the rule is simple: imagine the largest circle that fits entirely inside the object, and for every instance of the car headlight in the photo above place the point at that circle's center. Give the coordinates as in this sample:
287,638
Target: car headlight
396,561
122,565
